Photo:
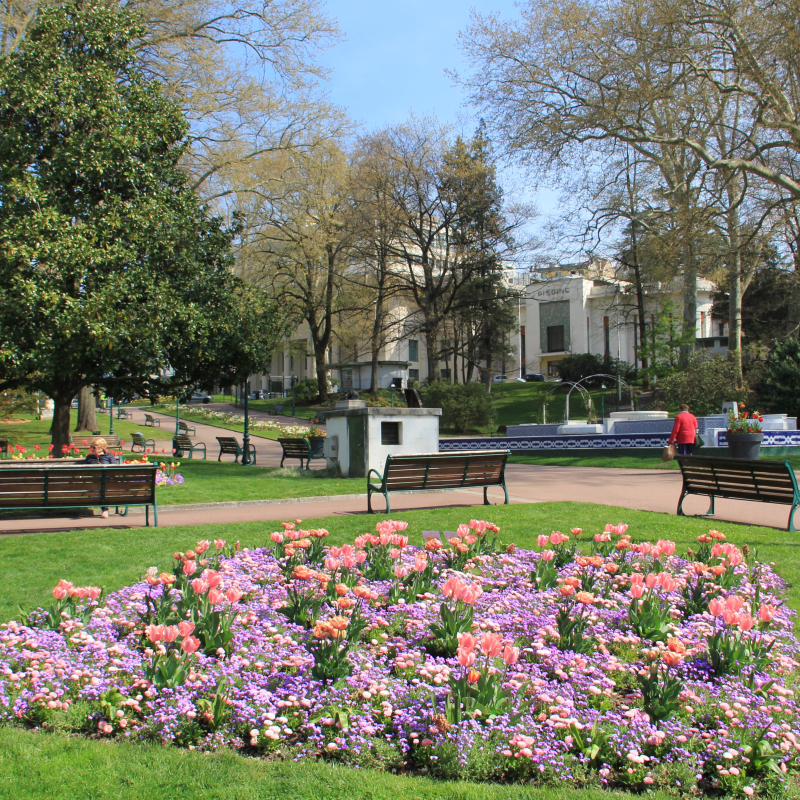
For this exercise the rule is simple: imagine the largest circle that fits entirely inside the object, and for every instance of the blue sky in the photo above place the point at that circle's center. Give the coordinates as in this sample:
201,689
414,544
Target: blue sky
395,56
392,62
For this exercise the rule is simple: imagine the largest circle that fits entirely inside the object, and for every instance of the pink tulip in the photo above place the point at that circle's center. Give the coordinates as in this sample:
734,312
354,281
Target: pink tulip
170,633
219,543
186,628
669,584
276,537
510,654
730,617
466,641
420,563
491,644
716,607
212,577
385,539
734,602
394,553
637,577
332,564
636,590
202,546
767,612
466,657
400,571
154,633
566,590
215,596
349,562
471,594
400,541
360,557
335,552
450,586
189,568
234,594
199,586
576,531
190,644
548,555
543,540
651,580
59,593
746,622
667,548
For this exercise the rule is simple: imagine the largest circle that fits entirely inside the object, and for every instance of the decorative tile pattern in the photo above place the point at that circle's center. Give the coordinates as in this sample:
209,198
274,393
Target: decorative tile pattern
628,426
595,442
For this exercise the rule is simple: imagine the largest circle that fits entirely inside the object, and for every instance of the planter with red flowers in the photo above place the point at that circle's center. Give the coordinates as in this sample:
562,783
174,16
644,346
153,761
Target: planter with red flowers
744,435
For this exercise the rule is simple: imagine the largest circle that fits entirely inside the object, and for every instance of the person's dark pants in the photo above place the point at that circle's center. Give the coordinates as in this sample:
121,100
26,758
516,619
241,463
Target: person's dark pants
686,449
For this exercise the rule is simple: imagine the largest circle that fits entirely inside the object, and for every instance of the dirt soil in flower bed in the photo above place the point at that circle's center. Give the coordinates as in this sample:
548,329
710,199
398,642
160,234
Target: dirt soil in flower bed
569,675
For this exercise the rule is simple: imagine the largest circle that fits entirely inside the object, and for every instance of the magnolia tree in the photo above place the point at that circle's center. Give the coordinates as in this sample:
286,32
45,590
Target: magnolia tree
111,269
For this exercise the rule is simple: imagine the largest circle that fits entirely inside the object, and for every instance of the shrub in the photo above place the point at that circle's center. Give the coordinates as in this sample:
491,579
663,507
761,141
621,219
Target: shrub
465,406
704,385
576,367
306,390
779,387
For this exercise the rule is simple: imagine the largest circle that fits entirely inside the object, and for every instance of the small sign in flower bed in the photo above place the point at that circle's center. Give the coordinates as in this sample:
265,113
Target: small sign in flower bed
597,661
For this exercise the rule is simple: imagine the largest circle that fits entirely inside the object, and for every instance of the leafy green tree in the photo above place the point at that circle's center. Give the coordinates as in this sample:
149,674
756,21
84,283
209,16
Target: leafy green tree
704,384
111,271
780,386
465,406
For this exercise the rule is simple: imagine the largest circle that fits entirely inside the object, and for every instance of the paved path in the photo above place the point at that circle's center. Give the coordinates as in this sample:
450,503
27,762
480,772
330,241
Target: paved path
646,490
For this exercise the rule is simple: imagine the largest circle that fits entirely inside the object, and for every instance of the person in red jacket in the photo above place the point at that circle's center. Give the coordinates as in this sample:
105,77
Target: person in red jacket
684,431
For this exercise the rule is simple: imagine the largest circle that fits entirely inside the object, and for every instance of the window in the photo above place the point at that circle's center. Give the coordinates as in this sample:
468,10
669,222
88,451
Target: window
347,379
606,337
444,374
390,433
555,338
552,369
413,350
413,375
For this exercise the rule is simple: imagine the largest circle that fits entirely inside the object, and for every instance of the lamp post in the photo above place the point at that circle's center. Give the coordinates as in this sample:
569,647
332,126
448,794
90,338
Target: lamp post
111,415
246,438
292,380
177,415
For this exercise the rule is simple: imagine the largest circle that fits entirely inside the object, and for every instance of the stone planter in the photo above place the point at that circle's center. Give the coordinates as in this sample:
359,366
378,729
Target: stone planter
744,445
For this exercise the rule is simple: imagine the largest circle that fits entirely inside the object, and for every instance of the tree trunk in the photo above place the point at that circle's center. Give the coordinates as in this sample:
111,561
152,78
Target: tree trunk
87,418
689,309
322,374
735,292
431,355
637,274
60,427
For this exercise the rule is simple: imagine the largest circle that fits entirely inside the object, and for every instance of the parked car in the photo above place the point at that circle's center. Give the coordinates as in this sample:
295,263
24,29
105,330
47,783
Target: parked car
197,397
499,378
534,377
257,394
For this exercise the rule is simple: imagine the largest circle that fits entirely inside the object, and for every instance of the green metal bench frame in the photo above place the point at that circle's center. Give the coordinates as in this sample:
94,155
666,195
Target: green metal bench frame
228,445
183,442
739,479
140,441
420,477
300,449
69,469
184,428
151,421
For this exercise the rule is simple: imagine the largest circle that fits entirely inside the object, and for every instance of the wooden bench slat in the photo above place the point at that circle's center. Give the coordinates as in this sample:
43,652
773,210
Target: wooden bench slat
760,481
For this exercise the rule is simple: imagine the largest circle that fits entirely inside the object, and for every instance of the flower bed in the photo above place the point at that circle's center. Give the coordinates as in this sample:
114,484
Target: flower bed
229,418
595,661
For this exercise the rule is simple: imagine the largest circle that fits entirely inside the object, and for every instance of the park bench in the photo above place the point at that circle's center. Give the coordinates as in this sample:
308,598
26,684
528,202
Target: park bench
277,410
739,479
229,445
3,448
64,484
299,448
429,471
142,443
151,422
184,428
124,413
182,443
112,440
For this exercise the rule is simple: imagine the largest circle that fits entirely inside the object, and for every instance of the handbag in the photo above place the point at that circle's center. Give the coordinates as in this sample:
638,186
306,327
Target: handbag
668,454
698,440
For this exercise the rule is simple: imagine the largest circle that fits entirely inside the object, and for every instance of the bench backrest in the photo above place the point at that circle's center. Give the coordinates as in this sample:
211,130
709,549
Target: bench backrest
294,447
227,444
183,441
183,426
74,485
112,440
770,481
149,417
445,470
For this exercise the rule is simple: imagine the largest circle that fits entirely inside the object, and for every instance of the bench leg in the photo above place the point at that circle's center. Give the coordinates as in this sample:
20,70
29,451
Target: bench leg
147,516
791,528
710,512
680,504
486,496
282,460
369,501
155,515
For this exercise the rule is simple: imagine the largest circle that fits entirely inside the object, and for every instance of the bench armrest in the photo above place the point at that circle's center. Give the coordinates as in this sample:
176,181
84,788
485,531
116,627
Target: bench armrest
380,477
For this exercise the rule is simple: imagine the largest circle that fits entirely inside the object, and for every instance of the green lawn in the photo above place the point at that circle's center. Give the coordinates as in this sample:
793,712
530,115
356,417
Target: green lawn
45,765
216,482
237,427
